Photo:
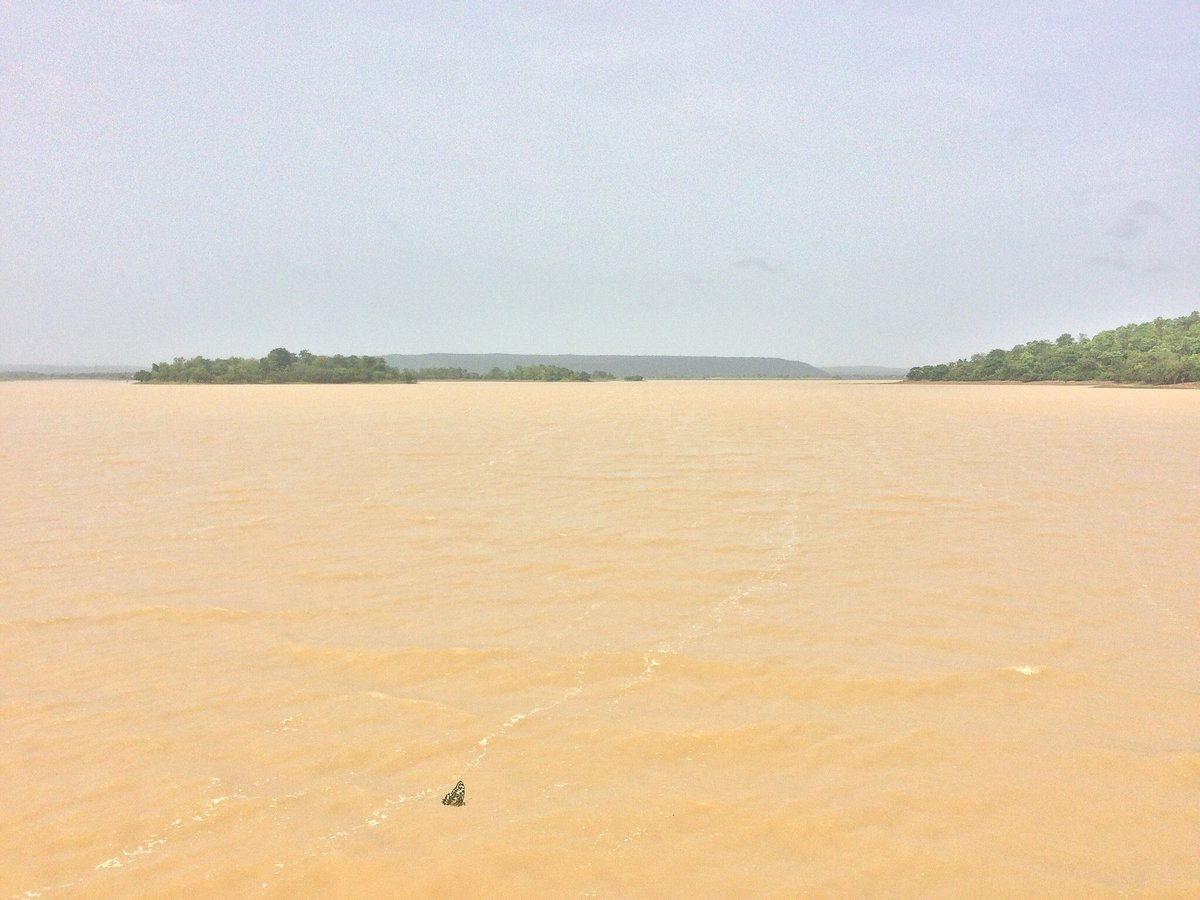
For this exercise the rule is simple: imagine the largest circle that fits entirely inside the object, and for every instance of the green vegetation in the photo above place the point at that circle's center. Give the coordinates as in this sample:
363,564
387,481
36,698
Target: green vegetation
544,372
538,372
32,375
280,366
277,367
1165,351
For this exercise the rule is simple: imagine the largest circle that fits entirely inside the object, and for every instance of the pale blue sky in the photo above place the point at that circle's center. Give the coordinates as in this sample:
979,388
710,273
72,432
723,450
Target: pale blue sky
889,183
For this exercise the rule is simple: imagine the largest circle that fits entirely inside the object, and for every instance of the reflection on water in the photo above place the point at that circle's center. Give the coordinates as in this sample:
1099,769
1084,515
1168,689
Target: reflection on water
677,639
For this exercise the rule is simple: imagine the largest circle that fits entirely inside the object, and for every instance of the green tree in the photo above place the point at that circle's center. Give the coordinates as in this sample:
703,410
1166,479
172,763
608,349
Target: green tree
279,358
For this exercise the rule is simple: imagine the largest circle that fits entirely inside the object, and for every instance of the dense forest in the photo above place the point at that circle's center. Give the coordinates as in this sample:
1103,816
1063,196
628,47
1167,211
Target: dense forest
278,367
1165,351
281,366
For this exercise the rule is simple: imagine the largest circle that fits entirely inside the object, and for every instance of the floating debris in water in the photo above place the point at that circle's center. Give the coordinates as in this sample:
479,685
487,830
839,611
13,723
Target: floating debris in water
456,797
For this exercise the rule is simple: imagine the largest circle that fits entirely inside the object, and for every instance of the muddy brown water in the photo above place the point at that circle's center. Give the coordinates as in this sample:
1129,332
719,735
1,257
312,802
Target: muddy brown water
676,639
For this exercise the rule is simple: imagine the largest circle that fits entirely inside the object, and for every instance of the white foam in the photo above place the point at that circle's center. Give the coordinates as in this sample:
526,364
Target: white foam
143,849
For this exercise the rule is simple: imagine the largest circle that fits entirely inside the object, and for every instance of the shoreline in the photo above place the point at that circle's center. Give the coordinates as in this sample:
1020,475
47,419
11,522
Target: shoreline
1184,385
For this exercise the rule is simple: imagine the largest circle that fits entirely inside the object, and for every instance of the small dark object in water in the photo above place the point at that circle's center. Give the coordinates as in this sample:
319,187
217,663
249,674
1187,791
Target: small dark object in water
456,797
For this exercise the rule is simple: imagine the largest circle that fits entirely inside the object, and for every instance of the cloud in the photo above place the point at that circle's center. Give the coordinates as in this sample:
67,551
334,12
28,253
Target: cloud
1157,266
1136,222
1118,261
1139,219
1113,261
1148,209
1126,230
317,274
757,262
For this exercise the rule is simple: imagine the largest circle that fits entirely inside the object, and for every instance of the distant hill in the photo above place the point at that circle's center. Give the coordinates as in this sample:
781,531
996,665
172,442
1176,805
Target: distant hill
33,371
868,372
620,366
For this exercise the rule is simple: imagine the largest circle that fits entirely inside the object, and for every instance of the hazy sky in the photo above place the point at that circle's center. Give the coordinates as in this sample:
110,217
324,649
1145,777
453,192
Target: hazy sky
891,183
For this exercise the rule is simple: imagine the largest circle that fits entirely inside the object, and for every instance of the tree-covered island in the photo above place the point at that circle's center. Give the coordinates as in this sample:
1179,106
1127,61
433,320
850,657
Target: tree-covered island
1165,351
281,366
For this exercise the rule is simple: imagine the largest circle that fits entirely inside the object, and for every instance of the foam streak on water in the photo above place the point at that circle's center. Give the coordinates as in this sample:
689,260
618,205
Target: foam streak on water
677,639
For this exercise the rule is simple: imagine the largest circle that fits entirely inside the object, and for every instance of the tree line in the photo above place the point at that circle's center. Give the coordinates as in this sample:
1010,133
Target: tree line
537,372
281,366
1165,351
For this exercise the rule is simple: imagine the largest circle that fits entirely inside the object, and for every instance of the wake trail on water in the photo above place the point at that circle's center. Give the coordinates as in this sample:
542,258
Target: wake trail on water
205,814
707,622
697,627
248,801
